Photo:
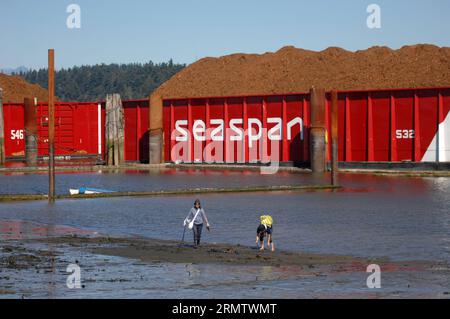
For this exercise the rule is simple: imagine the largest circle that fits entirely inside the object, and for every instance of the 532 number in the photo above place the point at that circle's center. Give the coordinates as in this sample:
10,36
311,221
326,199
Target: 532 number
405,134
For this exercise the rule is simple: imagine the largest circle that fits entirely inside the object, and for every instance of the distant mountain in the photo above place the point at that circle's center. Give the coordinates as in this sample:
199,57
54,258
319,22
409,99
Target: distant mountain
10,71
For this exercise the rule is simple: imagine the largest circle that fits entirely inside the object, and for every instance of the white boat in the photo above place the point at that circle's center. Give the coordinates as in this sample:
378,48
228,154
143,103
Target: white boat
88,191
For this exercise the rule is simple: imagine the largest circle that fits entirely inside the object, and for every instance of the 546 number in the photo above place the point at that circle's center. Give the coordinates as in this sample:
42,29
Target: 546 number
17,135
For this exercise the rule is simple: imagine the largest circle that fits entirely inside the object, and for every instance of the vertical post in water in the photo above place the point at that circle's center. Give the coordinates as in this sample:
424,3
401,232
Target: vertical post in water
120,129
334,138
115,121
2,131
51,125
30,121
114,130
156,130
317,132
109,142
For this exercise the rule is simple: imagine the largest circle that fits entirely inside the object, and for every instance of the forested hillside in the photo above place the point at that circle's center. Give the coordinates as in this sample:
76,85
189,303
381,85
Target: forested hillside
92,83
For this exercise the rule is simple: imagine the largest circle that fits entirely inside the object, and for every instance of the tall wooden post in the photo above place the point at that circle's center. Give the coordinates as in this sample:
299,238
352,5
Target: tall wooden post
2,131
317,132
334,138
109,137
115,120
31,150
120,129
156,130
114,130
51,125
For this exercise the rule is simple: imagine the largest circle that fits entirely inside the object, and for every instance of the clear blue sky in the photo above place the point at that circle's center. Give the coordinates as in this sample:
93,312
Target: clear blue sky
186,30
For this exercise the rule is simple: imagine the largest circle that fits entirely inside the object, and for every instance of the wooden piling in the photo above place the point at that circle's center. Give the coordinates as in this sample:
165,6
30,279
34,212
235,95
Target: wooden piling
156,130
51,124
334,138
108,132
317,132
30,120
115,131
2,131
120,118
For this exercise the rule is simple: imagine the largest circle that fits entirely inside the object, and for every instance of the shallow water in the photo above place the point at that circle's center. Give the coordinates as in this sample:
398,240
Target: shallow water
135,180
400,218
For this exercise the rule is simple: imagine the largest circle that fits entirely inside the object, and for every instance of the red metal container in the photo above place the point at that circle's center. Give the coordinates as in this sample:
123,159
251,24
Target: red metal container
374,126
76,129
14,129
79,130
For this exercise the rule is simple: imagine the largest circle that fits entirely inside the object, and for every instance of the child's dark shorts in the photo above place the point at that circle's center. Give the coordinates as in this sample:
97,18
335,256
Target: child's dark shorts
262,230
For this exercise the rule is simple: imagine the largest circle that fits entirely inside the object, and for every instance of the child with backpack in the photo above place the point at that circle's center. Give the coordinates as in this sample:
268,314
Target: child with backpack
265,229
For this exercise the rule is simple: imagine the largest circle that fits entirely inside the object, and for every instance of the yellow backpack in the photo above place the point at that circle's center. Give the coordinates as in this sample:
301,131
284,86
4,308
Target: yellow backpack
266,220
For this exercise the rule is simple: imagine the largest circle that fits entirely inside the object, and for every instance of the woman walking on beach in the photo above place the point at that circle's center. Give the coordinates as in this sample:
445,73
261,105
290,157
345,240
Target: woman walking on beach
195,220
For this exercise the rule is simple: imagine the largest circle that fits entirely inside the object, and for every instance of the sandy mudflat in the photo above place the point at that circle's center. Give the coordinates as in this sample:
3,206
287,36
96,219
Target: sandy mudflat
166,251
36,268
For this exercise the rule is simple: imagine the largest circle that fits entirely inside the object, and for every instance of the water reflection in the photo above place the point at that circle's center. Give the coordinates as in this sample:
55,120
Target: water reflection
193,274
23,230
370,216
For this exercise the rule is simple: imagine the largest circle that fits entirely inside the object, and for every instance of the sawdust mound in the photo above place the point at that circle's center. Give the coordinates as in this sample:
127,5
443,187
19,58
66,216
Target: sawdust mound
293,70
15,89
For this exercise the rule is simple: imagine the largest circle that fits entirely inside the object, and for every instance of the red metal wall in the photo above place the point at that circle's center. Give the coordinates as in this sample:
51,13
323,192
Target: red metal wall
136,130
76,129
14,129
258,108
389,126
374,126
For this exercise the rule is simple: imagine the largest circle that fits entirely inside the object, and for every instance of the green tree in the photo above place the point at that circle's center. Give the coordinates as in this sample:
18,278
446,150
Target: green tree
92,83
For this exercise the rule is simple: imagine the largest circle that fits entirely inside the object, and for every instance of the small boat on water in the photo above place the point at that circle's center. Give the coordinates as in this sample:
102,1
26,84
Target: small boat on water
88,191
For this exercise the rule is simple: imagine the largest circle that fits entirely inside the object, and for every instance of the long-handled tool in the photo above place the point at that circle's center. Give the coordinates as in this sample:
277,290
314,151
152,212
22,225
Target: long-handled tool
182,238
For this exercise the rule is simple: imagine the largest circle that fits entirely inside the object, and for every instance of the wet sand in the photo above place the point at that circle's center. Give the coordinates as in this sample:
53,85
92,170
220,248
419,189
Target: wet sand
14,257
167,251
174,252
117,266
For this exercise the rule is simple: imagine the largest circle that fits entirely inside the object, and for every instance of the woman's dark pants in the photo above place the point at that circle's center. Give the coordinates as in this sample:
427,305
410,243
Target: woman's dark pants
197,233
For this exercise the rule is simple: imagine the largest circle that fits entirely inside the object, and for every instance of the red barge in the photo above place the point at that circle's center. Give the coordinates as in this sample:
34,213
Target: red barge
411,125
